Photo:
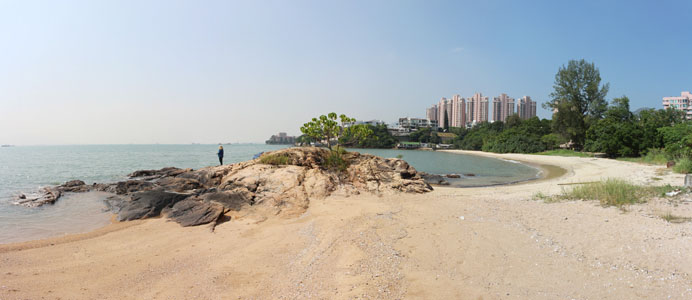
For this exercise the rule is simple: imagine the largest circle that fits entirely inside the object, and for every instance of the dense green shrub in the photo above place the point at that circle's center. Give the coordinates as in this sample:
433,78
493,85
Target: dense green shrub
683,165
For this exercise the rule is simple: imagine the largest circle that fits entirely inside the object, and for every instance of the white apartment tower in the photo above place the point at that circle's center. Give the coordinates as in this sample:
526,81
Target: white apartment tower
526,108
684,103
503,107
477,108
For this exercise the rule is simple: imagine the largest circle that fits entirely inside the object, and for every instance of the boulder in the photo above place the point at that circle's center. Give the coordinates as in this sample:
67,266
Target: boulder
453,176
148,204
433,179
193,212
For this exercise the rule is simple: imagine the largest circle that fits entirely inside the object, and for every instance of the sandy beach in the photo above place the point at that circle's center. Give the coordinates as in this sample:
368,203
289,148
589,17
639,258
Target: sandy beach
471,243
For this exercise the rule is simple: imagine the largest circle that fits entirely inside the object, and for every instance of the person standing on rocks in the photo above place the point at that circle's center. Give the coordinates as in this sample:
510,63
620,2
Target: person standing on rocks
220,154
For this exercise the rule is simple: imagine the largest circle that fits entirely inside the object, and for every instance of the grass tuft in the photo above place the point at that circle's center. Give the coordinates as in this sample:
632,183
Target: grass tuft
337,161
614,192
652,157
275,159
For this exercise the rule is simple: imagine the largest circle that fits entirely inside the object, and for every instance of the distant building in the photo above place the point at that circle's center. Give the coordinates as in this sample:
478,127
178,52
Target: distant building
413,124
454,109
431,112
281,138
527,108
477,108
371,123
684,103
503,107
458,112
444,108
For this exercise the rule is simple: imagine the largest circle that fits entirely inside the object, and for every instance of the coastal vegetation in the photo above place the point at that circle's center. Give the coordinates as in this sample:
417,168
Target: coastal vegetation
276,159
328,131
609,192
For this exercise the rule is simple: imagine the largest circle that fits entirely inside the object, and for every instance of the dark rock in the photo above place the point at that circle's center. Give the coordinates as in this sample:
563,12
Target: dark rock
178,184
233,200
165,172
453,176
130,186
148,204
469,174
114,203
433,178
74,186
193,212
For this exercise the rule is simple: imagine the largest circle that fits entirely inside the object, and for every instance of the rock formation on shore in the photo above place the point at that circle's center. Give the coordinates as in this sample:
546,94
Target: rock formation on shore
192,197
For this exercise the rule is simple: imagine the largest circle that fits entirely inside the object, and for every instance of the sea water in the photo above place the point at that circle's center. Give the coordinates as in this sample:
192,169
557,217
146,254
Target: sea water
25,169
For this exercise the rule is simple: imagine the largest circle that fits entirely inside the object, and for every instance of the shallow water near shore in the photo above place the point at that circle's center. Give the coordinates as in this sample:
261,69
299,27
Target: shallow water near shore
475,171
25,169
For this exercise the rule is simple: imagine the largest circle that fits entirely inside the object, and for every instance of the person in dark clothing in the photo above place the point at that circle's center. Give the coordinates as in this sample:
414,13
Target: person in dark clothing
220,154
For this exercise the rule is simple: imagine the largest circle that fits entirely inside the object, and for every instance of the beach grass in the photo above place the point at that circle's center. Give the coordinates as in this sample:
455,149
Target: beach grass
275,159
683,166
565,152
652,157
611,192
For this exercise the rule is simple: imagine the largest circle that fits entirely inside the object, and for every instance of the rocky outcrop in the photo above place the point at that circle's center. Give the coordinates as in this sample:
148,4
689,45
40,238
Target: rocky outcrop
193,197
147,204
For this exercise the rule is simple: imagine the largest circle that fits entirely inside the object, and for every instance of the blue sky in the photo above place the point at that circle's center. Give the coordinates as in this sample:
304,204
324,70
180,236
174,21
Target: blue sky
93,72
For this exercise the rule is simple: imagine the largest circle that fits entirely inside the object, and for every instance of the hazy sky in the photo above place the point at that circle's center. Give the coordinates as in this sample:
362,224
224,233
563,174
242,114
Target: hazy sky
107,72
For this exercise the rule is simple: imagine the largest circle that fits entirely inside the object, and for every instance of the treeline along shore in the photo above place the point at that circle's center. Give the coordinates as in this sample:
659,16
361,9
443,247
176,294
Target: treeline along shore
583,122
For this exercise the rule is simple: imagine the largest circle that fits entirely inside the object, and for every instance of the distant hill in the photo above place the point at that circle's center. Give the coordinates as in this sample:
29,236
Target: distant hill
636,112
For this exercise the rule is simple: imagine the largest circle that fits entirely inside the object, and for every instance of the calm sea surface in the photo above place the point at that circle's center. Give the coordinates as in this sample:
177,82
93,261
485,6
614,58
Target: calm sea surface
25,169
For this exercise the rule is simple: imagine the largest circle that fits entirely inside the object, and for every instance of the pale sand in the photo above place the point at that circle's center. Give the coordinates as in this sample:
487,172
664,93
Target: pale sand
506,246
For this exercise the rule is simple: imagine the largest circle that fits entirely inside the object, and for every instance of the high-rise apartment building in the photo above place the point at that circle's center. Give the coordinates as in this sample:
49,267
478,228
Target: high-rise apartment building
503,107
458,114
684,102
431,112
444,108
526,108
477,108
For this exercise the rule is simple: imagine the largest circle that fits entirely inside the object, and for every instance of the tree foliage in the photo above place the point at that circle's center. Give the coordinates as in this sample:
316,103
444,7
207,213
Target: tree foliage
327,130
380,138
578,99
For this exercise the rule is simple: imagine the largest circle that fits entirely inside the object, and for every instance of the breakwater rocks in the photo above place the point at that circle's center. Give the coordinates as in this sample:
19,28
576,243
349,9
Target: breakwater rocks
285,187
